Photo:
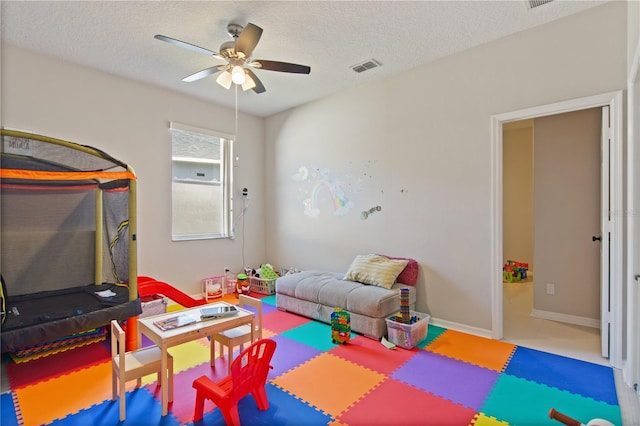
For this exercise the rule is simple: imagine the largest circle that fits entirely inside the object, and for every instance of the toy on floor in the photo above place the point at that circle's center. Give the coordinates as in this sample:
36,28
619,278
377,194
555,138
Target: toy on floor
569,421
340,326
266,272
514,271
213,287
242,284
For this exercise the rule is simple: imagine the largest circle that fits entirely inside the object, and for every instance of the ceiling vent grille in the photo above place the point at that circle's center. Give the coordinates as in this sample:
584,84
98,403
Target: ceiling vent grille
536,3
366,65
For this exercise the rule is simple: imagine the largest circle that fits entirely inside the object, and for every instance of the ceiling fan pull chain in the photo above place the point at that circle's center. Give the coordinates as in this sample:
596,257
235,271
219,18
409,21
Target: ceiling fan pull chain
236,131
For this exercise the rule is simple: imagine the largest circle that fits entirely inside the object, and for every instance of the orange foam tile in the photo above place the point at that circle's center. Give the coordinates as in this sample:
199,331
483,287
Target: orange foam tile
267,334
329,383
491,354
56,398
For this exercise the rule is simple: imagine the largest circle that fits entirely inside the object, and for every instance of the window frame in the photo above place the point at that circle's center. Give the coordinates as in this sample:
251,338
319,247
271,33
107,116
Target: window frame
225,182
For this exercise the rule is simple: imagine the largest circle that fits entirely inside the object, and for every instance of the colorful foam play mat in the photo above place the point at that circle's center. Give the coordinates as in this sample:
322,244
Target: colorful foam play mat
450,378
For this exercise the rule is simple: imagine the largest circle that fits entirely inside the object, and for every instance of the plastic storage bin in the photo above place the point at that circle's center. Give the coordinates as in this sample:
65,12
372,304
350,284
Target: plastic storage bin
262,286
153,305
408,335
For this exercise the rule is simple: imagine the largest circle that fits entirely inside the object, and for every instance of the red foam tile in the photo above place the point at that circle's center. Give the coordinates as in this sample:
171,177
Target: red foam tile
372,354
24,374
394,402
279,321
184,396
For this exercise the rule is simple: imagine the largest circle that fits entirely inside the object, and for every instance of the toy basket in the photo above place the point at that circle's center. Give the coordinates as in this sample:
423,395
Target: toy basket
408,335
262,286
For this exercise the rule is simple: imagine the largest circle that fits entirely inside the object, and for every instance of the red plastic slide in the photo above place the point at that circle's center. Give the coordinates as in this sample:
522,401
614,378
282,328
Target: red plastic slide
148,286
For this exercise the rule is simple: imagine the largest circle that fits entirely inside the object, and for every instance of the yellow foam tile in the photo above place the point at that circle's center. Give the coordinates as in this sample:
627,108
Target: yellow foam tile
483,420
329,383
190,354
488,353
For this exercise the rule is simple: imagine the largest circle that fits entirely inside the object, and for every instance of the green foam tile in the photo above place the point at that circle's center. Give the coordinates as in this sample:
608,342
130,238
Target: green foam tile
522,402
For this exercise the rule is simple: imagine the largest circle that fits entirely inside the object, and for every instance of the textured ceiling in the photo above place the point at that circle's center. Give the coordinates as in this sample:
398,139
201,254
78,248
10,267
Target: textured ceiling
330,36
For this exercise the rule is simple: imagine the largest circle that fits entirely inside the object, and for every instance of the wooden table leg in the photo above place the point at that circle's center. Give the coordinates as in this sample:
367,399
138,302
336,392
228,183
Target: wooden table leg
212,349
164,381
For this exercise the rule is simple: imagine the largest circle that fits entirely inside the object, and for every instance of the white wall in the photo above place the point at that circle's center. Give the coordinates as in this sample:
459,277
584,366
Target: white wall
517,195
130,120
425,135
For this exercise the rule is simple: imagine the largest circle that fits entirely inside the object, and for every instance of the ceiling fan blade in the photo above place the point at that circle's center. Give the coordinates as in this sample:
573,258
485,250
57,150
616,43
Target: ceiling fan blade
248,39
202,74
259,87
186,45
282,66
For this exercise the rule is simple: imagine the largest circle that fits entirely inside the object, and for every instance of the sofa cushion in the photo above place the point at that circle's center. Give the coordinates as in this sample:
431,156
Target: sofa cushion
375,269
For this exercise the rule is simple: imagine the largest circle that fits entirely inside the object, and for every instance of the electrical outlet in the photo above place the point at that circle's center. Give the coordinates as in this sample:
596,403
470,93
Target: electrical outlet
551,288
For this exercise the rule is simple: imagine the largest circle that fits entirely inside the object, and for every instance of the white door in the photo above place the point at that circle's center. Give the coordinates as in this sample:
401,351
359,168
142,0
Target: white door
614,291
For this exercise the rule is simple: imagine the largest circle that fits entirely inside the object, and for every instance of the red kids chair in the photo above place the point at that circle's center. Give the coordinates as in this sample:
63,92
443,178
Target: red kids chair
249,373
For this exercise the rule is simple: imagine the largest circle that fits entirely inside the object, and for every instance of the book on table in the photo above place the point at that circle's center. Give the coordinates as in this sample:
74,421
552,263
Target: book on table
174,322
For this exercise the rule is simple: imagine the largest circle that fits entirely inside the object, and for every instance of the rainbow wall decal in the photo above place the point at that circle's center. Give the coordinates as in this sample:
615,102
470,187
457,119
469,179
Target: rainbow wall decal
333,188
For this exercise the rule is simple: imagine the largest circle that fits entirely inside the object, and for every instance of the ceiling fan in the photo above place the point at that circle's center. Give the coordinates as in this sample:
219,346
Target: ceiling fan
237,55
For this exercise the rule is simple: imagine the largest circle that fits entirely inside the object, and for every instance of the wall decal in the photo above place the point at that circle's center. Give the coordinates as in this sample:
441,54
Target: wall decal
366,213
321,188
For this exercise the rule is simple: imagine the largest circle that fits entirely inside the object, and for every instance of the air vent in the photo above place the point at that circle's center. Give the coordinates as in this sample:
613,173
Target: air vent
536,3
366,65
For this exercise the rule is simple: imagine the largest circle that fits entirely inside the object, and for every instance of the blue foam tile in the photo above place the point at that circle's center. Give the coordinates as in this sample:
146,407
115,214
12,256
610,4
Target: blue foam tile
283,410
289,354
575,376
7,410
142,409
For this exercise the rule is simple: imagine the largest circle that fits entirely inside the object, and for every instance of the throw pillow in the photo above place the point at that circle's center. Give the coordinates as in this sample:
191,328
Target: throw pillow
375,270
409,274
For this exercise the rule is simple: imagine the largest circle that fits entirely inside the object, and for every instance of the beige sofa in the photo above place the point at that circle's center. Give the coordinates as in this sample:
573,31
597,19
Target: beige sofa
315,294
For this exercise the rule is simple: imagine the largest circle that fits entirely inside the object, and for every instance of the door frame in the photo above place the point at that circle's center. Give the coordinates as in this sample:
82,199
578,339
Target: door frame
631,370
614,101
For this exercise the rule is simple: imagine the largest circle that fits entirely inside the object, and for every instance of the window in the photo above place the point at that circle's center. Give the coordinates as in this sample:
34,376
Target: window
201,184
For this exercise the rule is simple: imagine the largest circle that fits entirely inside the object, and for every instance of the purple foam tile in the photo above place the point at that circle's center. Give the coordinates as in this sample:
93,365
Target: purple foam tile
289,354
267,308
458,381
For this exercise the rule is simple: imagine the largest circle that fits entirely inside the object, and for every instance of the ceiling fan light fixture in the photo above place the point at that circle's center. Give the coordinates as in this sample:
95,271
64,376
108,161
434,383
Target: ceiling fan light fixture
224,79
237,54
237,75
248,83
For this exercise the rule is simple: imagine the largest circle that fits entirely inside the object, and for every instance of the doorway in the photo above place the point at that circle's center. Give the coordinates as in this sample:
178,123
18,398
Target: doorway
551,210
611,292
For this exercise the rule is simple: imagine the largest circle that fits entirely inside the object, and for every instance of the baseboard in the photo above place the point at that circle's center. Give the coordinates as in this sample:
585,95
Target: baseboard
461,328
569,319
